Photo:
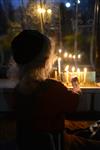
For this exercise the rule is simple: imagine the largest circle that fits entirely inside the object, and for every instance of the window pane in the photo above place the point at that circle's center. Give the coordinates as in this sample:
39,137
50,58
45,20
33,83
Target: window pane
73,23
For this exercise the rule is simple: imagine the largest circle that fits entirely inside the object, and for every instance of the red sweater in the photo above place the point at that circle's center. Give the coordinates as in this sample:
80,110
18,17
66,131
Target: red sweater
44,109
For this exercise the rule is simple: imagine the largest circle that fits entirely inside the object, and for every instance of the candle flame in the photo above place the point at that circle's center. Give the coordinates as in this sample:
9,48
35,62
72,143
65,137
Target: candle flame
74,56
78,69
79,56
85,69
70,55
65,54
73,69
60,50
66,68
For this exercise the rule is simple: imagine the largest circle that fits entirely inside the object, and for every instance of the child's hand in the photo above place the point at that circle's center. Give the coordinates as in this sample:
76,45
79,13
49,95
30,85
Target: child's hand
75,85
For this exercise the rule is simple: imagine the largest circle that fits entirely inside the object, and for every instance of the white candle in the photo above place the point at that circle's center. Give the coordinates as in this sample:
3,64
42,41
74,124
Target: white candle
78,74
59,66
73,69
67,72
85,72
55,74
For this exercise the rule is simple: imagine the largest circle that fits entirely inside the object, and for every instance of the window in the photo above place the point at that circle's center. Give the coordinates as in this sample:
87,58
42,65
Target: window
74,26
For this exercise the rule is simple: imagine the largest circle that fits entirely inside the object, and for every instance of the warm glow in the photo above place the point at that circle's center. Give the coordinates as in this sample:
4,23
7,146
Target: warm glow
85,73
78,74
59,58
78,69
74,56
65,54
60,50
73,69
66,68
67,73
85,69
49,11
59,65
70,55
41,10
79,56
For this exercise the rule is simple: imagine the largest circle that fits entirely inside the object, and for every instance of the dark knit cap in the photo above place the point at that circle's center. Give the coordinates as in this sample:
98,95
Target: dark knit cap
28,44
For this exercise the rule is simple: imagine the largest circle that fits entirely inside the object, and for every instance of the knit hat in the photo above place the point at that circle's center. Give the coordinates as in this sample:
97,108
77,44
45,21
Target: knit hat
28,44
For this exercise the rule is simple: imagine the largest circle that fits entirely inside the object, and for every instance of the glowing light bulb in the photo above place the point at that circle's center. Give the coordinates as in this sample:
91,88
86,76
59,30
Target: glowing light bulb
67,4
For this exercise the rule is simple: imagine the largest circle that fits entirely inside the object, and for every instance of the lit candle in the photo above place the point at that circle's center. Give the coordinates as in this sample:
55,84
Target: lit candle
66,69
78,74
55,74
85,72
73,69
59,66
74,56
79,56
65,54
60,50
70,55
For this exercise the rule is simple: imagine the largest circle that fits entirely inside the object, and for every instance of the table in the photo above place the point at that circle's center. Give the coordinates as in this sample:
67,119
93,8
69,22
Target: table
89,100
